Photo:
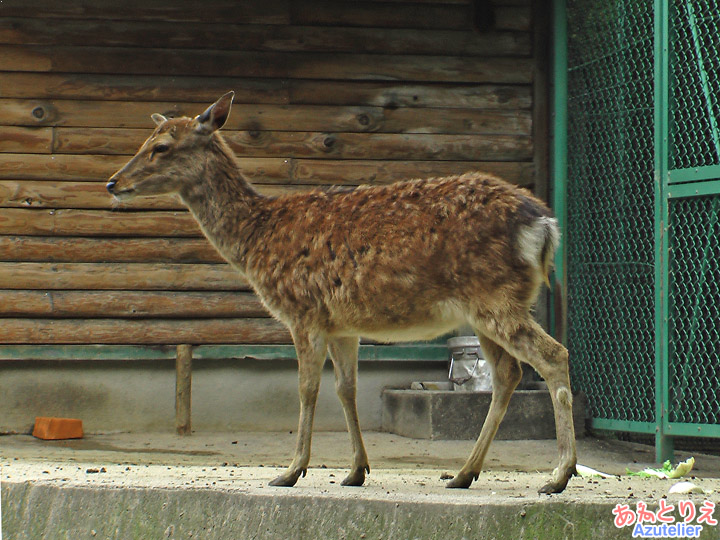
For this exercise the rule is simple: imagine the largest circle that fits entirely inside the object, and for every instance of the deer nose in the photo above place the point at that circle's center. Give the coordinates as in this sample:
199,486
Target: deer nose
111,186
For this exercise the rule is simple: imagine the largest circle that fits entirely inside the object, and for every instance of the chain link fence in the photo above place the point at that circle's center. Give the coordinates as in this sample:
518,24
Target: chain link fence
694,227
624,185
610,207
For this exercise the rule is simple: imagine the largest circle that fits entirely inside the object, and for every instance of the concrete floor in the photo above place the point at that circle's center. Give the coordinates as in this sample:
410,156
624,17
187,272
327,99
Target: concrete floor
253,458
404,471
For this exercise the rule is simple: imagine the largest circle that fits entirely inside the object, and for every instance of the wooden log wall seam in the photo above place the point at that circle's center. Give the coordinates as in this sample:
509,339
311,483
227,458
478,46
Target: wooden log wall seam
327,93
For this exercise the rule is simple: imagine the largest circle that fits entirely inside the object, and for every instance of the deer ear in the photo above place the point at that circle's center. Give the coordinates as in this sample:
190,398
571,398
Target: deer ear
215,115
158,118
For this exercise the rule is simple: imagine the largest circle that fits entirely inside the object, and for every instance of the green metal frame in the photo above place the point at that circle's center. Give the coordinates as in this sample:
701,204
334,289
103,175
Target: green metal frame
367,353
664,447
558,163
669,184
680,184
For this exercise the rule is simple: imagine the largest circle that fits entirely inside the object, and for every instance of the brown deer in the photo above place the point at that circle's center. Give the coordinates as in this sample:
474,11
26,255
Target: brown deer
407,261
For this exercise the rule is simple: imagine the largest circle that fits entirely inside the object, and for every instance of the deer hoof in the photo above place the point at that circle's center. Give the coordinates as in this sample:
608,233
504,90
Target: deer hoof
553,487
289,479
356,477
461,481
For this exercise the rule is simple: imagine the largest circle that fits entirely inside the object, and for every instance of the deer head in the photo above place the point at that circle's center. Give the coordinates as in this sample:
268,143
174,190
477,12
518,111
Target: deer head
172,159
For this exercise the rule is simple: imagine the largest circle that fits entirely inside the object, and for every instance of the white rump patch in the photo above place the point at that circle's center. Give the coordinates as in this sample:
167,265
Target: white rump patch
532,239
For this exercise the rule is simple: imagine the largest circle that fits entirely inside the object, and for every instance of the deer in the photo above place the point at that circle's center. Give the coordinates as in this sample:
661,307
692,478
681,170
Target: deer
406,261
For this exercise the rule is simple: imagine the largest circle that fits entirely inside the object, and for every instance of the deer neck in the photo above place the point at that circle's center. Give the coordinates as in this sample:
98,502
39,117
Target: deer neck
226,206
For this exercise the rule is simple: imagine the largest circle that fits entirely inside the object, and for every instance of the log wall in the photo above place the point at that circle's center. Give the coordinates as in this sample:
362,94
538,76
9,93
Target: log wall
327,92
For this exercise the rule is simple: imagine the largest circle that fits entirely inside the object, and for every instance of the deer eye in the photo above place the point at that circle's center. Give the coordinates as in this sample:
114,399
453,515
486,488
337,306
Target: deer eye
160,148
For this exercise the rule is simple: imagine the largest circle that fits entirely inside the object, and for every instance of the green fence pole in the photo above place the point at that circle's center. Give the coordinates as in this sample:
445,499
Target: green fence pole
663,443
559,165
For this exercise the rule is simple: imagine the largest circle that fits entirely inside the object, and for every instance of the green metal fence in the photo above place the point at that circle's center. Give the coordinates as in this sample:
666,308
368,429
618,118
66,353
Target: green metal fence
639,198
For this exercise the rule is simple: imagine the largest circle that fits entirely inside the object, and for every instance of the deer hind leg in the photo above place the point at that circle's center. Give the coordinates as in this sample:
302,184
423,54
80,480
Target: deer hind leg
344,354
506,375
528,342
311,352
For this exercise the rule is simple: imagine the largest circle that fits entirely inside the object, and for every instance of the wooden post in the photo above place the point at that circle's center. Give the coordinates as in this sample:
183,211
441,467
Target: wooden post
183,383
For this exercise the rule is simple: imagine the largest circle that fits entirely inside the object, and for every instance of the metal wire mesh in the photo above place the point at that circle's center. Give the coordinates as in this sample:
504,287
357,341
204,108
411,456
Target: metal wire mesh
695,87
694,223
610,194
694,329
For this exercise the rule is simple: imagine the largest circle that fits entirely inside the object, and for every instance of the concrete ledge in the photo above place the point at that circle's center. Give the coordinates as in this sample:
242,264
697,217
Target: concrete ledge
449,415
48,512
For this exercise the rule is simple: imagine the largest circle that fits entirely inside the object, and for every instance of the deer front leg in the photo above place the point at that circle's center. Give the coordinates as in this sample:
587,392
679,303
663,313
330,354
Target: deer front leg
506,375
311,352
344,354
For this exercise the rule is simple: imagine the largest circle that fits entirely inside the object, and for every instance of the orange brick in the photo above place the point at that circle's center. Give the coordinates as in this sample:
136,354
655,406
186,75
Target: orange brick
52,429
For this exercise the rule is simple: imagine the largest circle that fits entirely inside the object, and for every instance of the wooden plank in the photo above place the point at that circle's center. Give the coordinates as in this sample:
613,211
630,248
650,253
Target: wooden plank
332,13
220,11
517,18
379,146
102,223
183,388
266,64
92,195
129,304
257,143
413,68
159,332
114,276
264,144
112,87
394,95
386,172
387,119
69,249
89,195
205,90
324,39
62,194
59,167
98,168
30,140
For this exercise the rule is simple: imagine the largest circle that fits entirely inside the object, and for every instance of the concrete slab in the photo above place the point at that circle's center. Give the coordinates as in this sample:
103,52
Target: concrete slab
214,485
439,414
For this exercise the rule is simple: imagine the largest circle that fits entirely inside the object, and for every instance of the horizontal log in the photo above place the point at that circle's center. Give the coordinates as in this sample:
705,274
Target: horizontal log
221,11
21,139
59,167
332,13
65,194
385,172
129,304
123,250
111,87
513,18
508,15
93,195
333,66
205,90
390,119
276,12
395,95
114,276
267,144
324,39
156,332
98,168
101,223
381,146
